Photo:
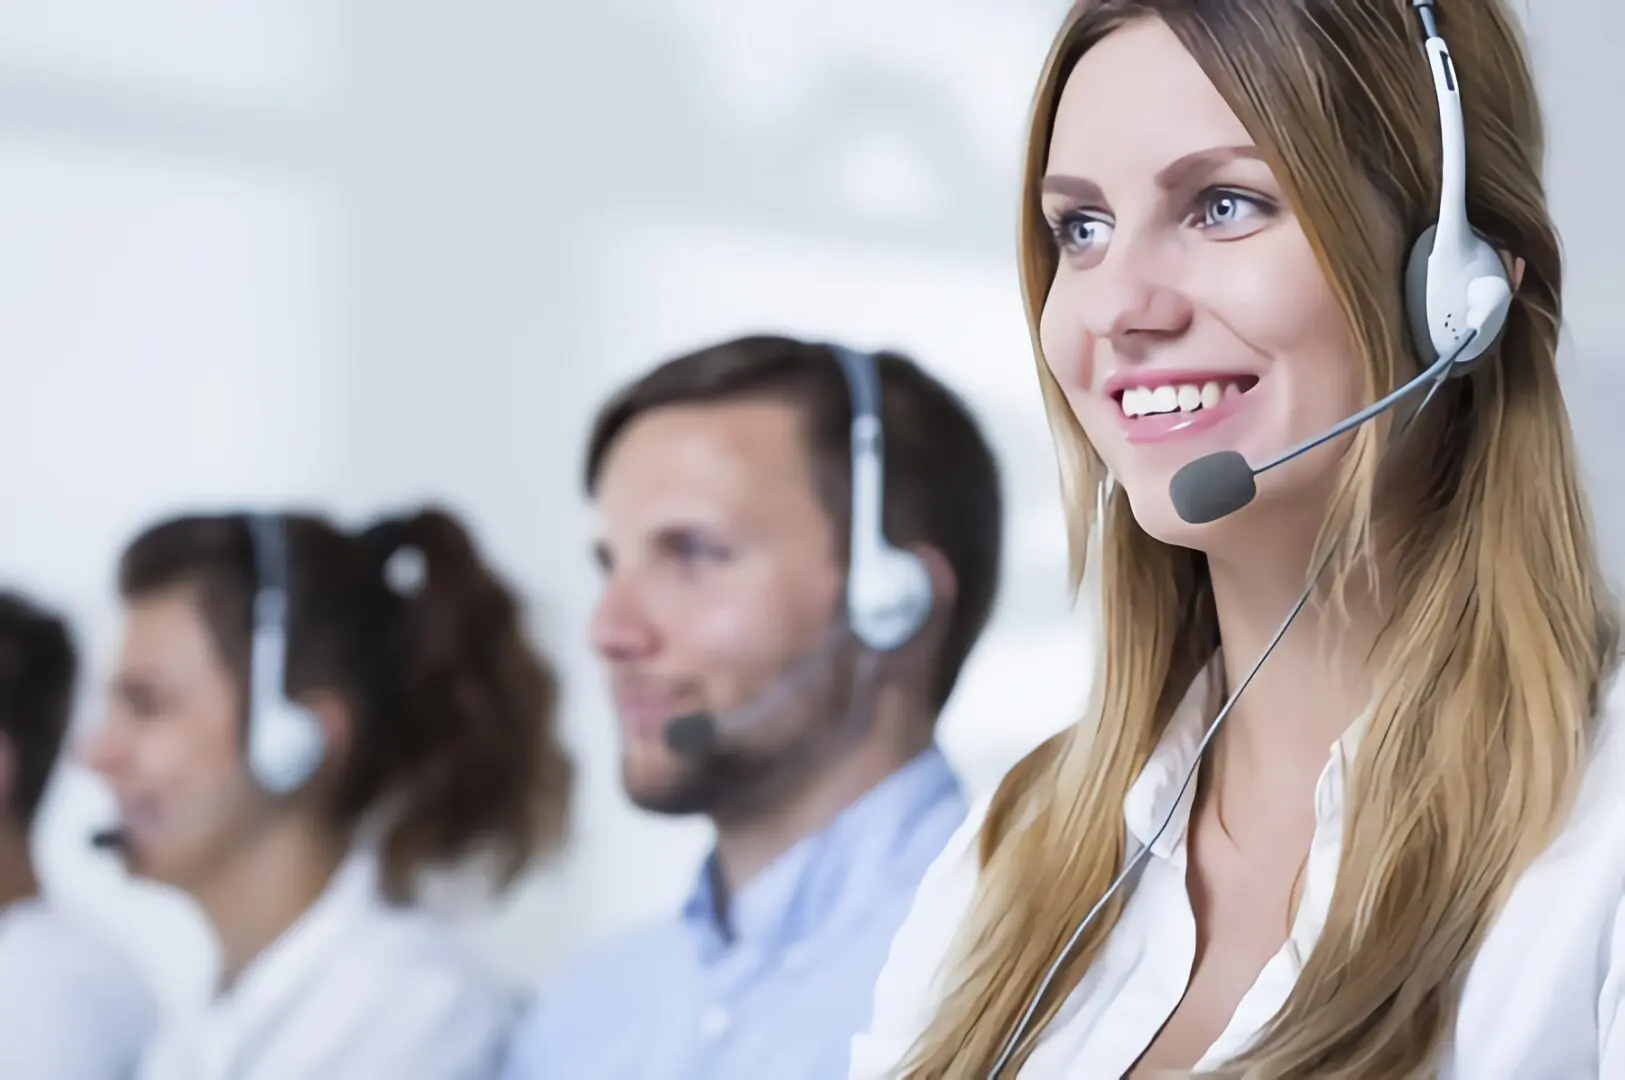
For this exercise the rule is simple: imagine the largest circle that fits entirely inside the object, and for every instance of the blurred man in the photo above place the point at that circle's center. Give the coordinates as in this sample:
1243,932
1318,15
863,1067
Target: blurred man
71,1006
723,487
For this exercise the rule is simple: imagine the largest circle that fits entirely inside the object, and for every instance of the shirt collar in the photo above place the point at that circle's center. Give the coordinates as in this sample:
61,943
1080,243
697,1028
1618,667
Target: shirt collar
1161,784
20,909
23,904
811,884
274,978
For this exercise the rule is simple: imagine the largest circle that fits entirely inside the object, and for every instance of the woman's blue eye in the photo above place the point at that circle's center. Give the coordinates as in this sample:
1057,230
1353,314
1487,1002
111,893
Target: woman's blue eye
1221,209
1077,232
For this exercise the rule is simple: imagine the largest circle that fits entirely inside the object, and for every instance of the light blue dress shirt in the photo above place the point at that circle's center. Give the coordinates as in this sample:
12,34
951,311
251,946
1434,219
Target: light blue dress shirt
780,990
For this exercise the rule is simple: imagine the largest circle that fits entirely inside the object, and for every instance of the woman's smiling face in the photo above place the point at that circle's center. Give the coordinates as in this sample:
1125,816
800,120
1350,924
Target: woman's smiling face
1188,313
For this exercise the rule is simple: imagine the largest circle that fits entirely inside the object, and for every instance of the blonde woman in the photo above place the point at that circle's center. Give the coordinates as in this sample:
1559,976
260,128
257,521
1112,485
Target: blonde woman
1402,851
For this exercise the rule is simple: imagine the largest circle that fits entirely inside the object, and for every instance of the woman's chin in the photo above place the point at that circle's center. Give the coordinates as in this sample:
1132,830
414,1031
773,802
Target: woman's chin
168,864
1283,507
1162,522
154,868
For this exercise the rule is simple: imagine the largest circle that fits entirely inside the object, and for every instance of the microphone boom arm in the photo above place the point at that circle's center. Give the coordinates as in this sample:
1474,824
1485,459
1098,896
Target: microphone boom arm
1437,373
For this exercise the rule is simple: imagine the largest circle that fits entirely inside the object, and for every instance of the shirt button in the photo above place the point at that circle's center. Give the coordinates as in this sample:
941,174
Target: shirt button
714,1021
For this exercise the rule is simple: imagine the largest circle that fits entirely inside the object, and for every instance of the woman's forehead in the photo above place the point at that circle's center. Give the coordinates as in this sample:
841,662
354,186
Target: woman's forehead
1136,103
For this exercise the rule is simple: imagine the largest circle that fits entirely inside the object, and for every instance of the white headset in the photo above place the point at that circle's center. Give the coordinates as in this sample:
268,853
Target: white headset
1455,282
286,743
1456,297
888,590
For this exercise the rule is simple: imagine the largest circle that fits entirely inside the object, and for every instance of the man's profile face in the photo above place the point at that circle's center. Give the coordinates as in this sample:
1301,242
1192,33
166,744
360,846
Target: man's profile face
720,573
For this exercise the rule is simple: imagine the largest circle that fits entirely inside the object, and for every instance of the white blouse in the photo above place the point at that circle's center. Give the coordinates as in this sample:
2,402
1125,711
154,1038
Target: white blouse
1543,997
72,1005
355,990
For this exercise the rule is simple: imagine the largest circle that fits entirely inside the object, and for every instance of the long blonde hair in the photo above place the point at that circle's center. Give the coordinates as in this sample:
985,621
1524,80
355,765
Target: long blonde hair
1501,630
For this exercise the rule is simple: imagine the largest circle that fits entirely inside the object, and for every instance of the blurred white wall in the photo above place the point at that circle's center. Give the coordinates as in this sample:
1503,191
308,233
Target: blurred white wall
364,252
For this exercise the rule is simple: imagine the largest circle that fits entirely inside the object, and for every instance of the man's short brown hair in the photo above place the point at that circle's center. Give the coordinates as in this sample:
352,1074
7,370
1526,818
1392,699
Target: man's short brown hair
38,665
942,484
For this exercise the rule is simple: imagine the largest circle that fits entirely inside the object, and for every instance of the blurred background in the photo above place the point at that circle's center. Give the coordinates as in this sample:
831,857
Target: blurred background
362,253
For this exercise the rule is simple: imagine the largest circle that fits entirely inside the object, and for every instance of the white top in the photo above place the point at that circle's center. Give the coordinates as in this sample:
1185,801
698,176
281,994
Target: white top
355,990
1543,997
72,1005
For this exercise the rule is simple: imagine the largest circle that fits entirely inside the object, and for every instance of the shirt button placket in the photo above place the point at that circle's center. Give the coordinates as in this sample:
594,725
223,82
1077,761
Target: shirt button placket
714,1022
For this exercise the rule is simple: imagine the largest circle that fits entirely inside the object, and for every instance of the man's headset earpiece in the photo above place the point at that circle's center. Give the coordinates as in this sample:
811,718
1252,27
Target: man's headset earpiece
888,589
1454,280
285,741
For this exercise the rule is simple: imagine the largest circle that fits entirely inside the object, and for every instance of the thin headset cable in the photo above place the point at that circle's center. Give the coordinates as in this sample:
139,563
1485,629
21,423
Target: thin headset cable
1134,863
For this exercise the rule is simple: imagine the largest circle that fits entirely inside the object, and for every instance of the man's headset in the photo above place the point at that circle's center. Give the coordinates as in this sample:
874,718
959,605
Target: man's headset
1457,296
888,589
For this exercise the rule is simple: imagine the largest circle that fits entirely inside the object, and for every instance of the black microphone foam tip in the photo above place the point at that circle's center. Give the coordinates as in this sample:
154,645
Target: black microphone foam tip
105,839
1212,487
693,735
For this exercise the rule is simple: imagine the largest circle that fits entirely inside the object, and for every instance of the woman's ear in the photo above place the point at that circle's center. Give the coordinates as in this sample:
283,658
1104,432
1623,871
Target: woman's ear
332,712
1514,268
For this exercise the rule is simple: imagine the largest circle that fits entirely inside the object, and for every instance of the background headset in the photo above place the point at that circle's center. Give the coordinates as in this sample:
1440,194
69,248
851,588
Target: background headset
888,589
1457,296
285,742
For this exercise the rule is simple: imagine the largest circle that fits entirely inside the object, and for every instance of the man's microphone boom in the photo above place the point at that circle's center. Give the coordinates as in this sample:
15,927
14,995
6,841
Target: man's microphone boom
699,735
693,735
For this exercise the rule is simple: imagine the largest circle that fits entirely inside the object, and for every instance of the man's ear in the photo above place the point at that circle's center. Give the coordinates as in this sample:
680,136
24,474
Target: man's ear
8,770
944,582
944,587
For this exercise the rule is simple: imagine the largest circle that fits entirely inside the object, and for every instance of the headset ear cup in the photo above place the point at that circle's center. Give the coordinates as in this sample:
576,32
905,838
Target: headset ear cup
918,595
286,745
1482,263
890,600
1416,298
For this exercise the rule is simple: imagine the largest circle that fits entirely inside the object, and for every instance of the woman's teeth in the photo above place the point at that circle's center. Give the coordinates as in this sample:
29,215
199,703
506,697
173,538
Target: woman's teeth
1187,397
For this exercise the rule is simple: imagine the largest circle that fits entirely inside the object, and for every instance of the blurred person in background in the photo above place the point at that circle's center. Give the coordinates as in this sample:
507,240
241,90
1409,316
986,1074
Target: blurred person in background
72,1006
744,564
304,722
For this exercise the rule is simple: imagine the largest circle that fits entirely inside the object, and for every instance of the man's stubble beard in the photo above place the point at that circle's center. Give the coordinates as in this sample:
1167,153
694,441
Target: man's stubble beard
732,785
738,783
